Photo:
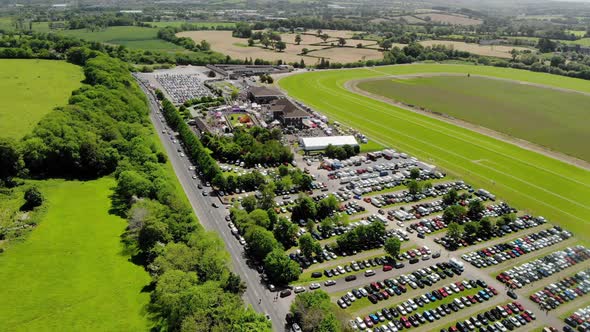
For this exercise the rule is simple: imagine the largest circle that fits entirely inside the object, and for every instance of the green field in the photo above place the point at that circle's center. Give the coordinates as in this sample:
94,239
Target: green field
129,36
528,180
30,89
71,273
179,23
581,42
531,113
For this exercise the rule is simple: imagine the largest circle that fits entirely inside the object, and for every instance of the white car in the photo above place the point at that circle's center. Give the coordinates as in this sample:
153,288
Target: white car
314,285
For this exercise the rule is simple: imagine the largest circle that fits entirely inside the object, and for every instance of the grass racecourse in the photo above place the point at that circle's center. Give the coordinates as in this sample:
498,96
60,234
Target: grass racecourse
528,180
29,89
555,119
71,273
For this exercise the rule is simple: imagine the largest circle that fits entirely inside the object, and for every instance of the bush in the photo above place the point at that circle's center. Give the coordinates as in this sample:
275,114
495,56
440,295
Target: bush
33,198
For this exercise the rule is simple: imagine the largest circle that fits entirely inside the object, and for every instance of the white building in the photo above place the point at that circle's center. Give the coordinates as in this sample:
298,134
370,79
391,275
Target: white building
321,143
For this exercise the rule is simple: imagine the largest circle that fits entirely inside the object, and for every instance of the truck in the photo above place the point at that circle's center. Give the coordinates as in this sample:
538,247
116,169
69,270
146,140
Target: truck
456,263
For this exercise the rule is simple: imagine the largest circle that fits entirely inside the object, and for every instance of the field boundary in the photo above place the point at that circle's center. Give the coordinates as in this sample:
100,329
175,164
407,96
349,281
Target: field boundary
352,86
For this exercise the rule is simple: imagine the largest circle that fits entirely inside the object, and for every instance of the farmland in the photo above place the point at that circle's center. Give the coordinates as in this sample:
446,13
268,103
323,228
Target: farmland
71,273
528,180
20,83
450,19
162,24
223,42
499,105
129,36
486,50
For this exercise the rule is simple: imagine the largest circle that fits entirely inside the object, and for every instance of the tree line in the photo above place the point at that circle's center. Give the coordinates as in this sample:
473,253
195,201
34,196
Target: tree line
105,130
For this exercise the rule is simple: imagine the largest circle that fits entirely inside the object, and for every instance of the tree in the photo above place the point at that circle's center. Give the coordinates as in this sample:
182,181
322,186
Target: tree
313,311
33,198
328,224
324,37
286,232
204,46
413,187
249,203
304,209
450,197
260,242
10,158
250,42
454,231
319,32
453,213
283,170
546,45
414,173
265,41
514,54
298,39
308,245
326,206
280,268
234,284
341,42
476,208
260,218
557,60
486,226
131,183
304,51
280,45
392,246
471,228
386,44
267,198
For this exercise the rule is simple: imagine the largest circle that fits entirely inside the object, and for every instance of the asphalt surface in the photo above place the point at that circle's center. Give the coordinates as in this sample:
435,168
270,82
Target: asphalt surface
213,219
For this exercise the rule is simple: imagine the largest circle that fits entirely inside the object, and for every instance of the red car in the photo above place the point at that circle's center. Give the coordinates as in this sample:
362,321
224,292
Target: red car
369,322
405,322
493,290
518,305
387,268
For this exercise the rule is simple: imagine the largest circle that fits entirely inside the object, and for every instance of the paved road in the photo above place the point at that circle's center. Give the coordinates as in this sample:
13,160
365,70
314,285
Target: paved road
213,219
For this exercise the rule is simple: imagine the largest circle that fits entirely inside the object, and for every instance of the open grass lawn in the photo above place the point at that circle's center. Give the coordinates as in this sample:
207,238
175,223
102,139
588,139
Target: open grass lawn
129,36
29,89
555,119
71,273
527,180
582,42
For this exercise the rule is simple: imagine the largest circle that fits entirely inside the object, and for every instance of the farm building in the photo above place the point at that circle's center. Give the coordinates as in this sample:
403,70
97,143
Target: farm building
263,95
321,143
287,113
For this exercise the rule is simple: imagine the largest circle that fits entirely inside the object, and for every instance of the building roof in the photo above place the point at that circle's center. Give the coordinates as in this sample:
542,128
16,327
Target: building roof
262,91
288,109
319,143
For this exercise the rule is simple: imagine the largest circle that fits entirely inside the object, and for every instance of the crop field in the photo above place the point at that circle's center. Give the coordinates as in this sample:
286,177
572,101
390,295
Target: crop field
528,112
32,88
450,19
487,50
528,180
71,273
224,42
129,36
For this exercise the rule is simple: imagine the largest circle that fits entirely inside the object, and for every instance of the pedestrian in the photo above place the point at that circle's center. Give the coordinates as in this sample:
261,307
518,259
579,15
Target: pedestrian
259,301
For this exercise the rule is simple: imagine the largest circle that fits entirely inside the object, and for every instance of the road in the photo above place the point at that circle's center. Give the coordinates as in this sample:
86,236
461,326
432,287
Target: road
213,219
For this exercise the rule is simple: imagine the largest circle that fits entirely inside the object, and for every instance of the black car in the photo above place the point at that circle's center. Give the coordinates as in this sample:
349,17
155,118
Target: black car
316,275
350,278
512,294
285,293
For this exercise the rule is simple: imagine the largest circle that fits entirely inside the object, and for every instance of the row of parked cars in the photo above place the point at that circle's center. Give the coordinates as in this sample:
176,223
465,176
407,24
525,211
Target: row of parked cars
359,265
520,223
407,315
567,289
513,249
383,290
499,319
579,320
406,197
543,267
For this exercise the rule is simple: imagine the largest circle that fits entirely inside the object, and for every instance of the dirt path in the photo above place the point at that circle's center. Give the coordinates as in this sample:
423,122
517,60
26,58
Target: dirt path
353,87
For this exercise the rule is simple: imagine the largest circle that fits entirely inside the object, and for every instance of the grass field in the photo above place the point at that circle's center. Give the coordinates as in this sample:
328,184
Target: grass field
499,105
71,273
581,42
32,88
200,24
527,180
129,36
